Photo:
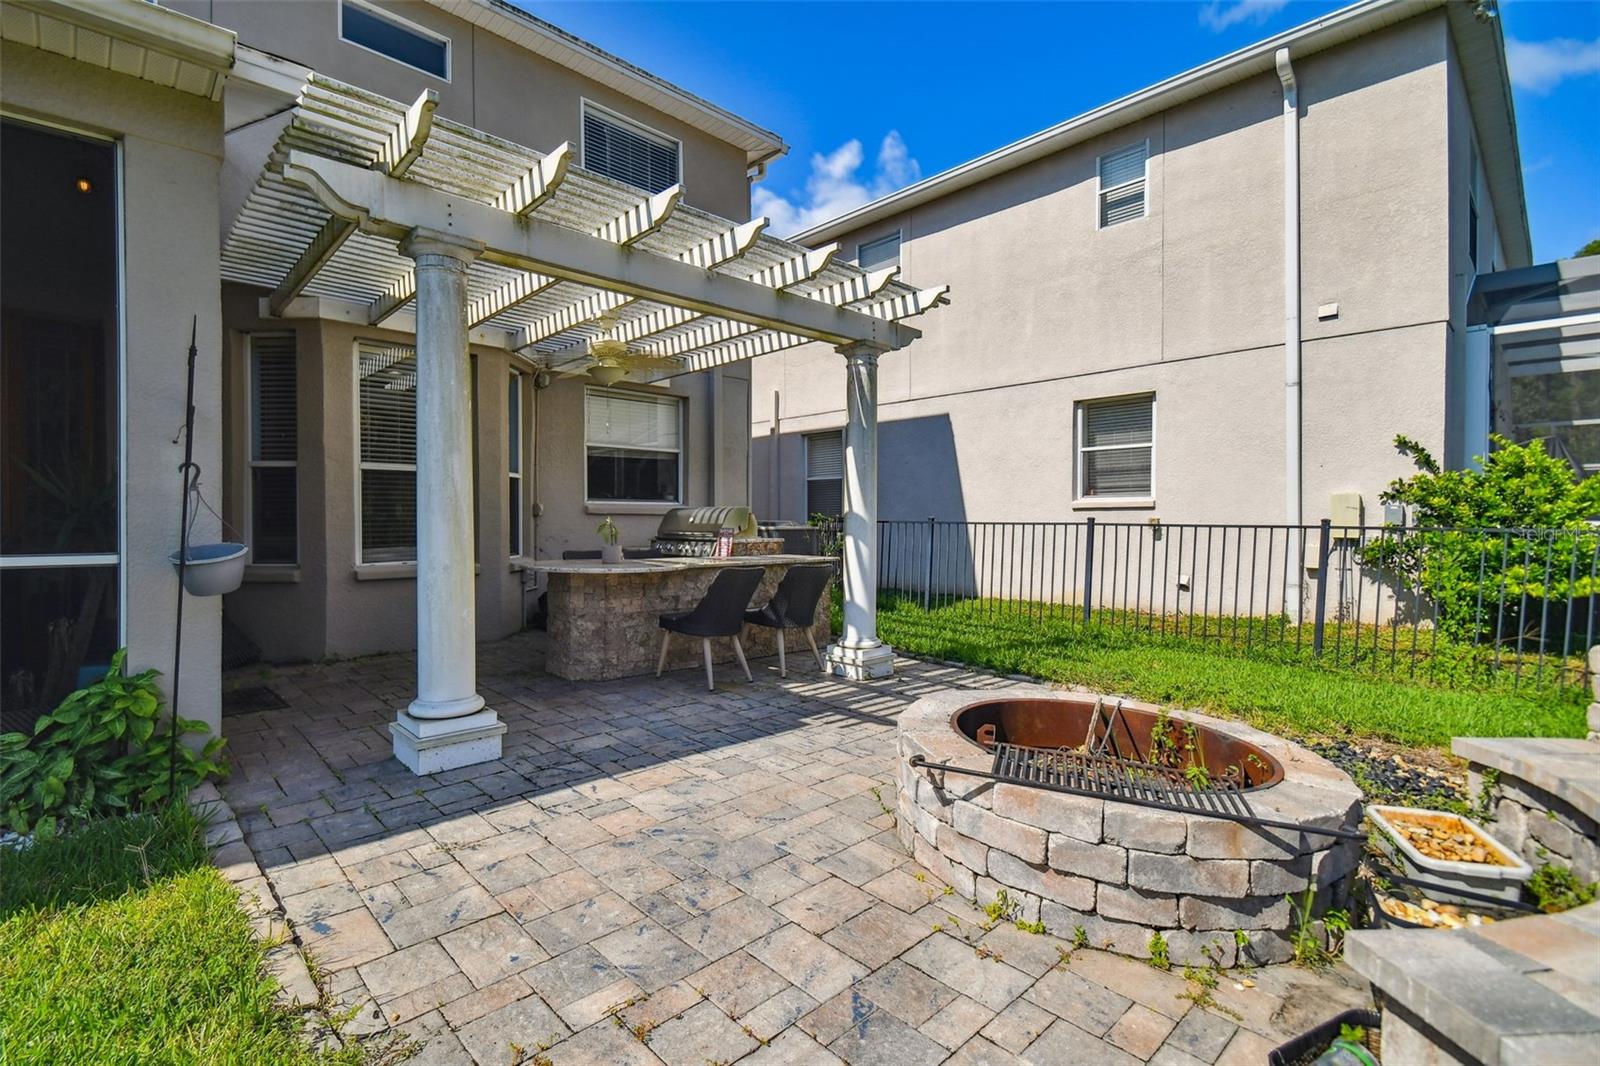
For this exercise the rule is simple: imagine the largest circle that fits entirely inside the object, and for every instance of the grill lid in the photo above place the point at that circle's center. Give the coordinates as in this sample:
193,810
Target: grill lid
703,523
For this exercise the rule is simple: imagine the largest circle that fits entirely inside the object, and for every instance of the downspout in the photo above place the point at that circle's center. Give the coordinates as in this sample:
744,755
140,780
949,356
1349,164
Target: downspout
1294,514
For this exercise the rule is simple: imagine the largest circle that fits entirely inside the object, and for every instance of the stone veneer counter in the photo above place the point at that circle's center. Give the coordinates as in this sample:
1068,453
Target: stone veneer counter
603,616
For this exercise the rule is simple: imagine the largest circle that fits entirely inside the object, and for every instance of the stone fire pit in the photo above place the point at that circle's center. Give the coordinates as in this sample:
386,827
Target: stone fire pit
1121,871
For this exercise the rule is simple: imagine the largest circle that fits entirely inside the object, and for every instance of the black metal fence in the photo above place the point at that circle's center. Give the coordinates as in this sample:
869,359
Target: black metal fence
1510,606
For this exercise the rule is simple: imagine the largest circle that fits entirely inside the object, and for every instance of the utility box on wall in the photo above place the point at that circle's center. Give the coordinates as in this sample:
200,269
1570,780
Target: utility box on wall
1345,514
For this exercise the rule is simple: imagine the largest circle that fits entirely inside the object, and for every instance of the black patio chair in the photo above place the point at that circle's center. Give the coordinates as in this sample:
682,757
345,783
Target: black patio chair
794,606
720,613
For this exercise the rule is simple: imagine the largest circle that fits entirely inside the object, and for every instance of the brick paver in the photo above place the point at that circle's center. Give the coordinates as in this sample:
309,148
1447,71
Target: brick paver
653,873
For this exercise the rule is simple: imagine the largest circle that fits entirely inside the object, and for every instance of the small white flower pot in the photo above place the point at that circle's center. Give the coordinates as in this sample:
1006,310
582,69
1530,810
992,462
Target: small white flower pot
213,569
611,553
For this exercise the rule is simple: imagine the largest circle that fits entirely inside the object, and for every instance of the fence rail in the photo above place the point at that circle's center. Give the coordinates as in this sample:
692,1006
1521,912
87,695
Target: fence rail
1512,606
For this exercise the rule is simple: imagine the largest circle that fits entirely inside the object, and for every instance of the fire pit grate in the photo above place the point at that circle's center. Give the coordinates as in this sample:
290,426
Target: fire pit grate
1115,778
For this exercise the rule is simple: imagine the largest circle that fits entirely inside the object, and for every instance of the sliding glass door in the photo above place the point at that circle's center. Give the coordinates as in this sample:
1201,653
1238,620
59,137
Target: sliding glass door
60,432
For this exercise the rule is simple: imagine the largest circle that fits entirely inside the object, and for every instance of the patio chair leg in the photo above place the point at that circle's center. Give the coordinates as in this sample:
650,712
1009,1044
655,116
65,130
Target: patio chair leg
813,642
783,665
738,653
705,646
661,663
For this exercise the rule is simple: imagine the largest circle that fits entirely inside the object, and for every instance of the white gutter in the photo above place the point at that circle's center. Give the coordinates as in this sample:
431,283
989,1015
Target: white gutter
1293,497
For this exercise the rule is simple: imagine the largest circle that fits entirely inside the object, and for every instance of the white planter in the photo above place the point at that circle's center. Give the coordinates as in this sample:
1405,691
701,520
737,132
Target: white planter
1500,882
213,569
611,553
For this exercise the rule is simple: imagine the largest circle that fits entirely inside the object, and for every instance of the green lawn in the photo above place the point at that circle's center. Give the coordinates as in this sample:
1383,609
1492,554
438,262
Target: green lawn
120,943
1263,686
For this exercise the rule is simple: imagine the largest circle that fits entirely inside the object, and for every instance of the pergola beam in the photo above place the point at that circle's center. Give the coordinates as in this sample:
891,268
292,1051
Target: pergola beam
392,209
540,183
329,239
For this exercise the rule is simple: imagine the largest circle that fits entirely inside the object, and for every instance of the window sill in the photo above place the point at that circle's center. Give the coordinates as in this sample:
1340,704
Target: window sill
1114,503
627,507
393,571
272,574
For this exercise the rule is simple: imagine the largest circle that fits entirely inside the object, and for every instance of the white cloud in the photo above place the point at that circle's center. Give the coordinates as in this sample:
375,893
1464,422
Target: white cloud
1540,66
1218,15
836,185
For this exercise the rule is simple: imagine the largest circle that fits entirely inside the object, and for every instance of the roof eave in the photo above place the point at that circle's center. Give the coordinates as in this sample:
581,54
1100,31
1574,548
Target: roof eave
1333,29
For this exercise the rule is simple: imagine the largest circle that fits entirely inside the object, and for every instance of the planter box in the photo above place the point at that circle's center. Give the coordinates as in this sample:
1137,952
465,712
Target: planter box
1308,1045
1497,881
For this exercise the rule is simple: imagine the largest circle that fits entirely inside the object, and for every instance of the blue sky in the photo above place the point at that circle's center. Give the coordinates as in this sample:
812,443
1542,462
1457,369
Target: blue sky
872,96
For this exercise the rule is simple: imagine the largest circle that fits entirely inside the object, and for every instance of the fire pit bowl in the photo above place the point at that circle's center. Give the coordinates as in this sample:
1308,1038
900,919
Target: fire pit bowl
1077,830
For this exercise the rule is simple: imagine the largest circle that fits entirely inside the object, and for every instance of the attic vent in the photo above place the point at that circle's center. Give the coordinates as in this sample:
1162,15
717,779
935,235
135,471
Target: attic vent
628,152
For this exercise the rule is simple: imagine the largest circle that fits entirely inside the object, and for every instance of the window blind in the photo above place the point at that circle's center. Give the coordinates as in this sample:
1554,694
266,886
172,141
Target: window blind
621,150
272,397
1117,448
875,255
619,420
1128,421
1122,184
387,388
825,473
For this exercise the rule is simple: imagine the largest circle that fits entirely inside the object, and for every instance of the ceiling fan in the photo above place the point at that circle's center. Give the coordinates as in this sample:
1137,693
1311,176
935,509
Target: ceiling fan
610,360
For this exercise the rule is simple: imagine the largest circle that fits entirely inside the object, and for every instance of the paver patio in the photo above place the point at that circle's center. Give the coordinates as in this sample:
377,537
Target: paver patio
654,873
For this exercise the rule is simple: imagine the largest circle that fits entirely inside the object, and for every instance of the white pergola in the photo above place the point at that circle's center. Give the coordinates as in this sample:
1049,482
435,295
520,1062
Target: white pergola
373,211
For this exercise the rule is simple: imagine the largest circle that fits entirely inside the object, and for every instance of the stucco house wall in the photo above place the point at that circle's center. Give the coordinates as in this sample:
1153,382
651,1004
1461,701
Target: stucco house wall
171,155
1047,310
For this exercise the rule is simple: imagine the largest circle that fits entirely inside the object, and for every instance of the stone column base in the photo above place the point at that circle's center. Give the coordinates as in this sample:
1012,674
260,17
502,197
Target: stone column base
860,664
432,745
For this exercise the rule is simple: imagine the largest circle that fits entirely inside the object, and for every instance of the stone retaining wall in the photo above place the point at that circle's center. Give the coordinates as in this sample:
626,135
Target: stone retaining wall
1543,796
1122,872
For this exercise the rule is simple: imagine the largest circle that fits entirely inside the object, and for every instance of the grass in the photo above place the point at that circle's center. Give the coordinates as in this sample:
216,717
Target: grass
1263,687
120,943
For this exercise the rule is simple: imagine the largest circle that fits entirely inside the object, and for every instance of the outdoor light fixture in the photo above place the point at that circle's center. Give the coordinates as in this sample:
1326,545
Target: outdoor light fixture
84,185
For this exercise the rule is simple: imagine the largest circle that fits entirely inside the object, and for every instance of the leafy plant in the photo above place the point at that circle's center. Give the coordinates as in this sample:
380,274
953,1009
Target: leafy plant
1354,1034
1002,908
1080,937
1556,888
99,753
609,533
1484,552
1158,951
1310,949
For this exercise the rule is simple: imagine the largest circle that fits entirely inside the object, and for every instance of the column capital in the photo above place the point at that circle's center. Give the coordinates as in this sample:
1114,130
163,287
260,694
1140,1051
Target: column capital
420,242
862,351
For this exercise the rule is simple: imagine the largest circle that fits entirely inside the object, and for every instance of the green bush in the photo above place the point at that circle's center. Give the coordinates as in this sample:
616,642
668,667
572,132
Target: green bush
1500,550
99,753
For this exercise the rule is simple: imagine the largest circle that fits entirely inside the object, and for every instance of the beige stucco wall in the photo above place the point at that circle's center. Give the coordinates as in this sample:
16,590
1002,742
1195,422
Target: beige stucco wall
171,154
328,604
494,85
977,416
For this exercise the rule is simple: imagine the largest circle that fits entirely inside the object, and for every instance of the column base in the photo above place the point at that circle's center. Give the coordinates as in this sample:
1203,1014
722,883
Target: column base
433,745
860,664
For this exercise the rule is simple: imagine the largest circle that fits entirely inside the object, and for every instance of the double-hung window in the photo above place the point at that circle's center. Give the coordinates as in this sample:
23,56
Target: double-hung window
633,447
1122,184
515,451
623,149
1116,448
386,394
274,453
377,30
883,252
825,474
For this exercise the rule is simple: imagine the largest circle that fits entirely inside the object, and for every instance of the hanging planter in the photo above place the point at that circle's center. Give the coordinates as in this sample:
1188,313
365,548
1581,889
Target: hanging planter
213,569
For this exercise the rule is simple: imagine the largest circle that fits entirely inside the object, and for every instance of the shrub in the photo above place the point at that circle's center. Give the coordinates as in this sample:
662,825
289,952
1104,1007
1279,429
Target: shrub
1495,548
99,753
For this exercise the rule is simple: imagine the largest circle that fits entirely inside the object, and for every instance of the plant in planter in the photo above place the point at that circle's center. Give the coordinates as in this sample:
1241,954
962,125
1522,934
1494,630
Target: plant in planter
99,753
610,541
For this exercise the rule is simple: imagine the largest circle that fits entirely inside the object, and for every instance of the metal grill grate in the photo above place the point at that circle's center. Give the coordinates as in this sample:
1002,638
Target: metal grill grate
1114,778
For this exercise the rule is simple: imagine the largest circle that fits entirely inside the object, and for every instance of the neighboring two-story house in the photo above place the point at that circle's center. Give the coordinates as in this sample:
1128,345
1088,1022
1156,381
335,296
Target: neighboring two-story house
1215,300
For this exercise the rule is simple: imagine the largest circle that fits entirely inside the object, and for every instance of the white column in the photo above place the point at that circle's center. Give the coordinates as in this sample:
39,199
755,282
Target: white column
447,725
859,654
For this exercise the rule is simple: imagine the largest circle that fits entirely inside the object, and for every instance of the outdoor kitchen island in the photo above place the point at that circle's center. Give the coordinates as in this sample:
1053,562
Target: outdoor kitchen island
602,617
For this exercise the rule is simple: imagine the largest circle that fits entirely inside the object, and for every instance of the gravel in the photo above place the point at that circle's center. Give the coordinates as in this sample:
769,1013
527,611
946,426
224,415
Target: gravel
1389,777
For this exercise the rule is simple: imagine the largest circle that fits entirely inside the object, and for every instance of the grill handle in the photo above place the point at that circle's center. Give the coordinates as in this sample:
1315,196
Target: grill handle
920,763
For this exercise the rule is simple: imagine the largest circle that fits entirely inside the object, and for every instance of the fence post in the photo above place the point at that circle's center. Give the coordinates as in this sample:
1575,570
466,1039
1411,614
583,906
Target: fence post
1088,571
927,579
1322,587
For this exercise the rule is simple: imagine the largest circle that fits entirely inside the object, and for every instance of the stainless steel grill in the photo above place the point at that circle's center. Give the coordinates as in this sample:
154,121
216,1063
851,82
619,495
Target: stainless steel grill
692,531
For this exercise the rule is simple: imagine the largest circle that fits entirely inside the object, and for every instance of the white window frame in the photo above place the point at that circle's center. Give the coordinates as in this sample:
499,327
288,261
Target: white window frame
379,565
661,398
252,463
586,105
86,559
421,31
899,240
805,460
517,514
1080,411
1100,190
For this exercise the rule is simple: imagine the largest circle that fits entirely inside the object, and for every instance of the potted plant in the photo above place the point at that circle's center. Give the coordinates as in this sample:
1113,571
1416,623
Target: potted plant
610,541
